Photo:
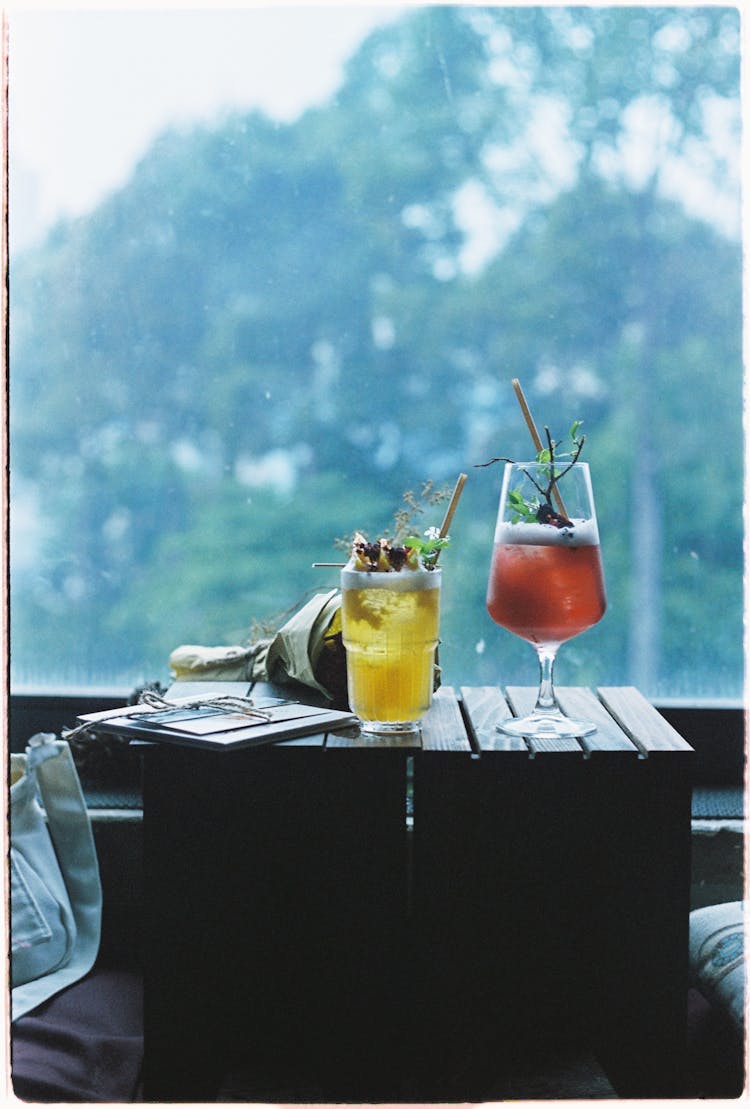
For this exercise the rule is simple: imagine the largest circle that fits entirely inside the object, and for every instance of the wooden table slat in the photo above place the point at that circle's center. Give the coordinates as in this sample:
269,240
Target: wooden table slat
552,745
485,705
640,720
443,728
522,700
582,704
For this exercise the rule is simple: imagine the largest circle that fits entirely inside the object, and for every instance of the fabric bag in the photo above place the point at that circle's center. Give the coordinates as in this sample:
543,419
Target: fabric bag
306,649
55,889
717,958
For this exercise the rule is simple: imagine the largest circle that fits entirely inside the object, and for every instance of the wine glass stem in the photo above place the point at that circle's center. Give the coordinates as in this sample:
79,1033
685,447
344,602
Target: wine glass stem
546,699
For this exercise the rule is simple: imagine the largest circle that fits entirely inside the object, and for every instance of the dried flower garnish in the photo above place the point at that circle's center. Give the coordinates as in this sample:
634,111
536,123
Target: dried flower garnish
406,548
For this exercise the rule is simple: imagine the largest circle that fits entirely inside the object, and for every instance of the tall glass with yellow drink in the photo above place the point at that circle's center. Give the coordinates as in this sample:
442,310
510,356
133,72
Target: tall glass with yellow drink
390,623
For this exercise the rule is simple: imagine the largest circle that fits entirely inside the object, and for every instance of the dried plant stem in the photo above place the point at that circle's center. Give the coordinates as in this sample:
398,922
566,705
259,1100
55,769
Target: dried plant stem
447,520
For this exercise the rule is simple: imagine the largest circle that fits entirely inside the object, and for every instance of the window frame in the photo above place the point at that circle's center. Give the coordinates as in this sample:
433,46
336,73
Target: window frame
715,728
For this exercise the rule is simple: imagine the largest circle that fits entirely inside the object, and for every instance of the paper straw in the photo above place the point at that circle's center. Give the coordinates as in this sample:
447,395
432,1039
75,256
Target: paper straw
535,436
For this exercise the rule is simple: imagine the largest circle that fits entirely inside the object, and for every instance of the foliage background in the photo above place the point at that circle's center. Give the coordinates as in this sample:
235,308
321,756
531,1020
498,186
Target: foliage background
274,330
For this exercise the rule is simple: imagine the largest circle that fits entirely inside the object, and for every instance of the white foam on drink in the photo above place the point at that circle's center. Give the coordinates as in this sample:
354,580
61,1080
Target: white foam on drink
401,581
582,533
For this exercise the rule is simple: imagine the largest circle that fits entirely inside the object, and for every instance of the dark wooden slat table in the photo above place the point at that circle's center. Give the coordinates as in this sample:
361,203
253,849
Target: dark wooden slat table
396,921
566,881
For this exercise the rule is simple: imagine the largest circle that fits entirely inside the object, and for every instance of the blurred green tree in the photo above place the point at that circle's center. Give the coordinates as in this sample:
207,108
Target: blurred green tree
268,311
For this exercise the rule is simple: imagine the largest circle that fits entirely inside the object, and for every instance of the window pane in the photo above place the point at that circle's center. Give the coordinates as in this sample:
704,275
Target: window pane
280,269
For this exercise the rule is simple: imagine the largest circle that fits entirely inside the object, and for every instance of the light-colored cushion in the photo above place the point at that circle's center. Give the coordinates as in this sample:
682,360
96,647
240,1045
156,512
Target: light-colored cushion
717,957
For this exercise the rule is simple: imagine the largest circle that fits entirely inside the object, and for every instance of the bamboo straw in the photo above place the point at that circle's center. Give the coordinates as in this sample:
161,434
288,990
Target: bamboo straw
527,415
451,511
535,436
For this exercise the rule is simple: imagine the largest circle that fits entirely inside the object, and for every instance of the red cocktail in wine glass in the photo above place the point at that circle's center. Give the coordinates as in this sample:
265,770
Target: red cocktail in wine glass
546,582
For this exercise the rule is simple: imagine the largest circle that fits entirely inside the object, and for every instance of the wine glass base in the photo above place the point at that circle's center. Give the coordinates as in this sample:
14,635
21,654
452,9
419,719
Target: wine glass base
546,725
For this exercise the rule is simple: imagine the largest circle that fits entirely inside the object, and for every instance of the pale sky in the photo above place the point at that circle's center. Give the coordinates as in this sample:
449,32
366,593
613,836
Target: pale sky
90,89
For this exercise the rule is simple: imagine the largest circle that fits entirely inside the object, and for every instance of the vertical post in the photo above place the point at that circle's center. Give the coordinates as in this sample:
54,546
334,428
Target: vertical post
182,926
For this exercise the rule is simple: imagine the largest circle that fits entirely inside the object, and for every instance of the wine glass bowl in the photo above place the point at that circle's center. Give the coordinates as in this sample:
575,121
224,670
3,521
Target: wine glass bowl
546,582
